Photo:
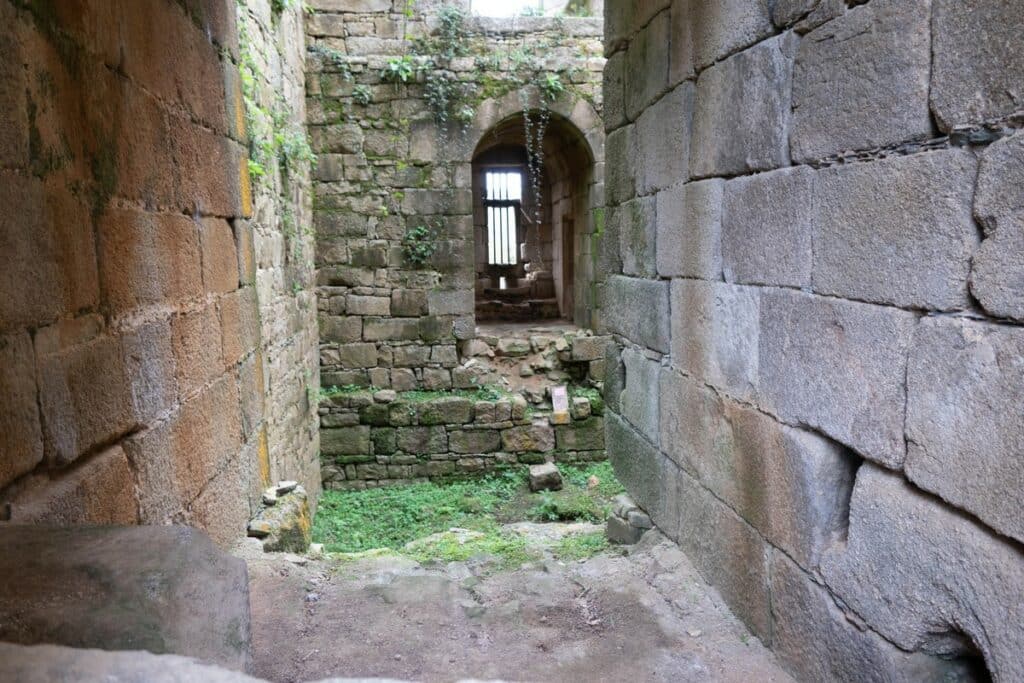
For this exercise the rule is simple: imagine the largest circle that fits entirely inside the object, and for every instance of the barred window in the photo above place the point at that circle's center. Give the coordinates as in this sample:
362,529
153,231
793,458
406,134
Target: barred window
502,199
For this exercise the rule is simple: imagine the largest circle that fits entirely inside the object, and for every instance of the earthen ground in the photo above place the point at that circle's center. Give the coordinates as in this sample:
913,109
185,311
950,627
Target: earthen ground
645,616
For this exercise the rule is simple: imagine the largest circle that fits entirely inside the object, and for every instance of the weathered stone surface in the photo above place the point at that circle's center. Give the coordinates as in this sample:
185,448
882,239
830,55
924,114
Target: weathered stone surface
614,91
965,423
620,165
911,214
727,551
636,227
583,435
285,526
927,578
742,111
620,531
978,60
792,486
639,401
545,477
446,410
816,640
767,228
513,346
806,14
663,140
422,440
861,81
647,65
345,441
689,230
589,348
21,437
37,664
358,355
162,589
538,438
638,310
474,441
997,280
837,366
638,465
724,28
715,331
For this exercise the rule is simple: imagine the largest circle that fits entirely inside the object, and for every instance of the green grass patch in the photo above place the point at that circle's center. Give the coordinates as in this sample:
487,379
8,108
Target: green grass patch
391,517
580,546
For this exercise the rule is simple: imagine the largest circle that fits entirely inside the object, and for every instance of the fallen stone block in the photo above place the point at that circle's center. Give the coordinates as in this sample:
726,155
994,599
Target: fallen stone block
284,526
164,589
545,477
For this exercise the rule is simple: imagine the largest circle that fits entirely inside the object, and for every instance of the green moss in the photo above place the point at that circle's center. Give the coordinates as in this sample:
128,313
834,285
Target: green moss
581,546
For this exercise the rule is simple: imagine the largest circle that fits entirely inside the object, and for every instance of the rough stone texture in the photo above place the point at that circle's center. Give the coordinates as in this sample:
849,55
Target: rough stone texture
839,367
545,477
639,310
741,116
912,214
639,400
977,62
285,526
861,81
806,14
663,140
728,551
927,578
646,65
161,589
816,640
715,329
635,223
689,222
725,27
792,486
965,429
767,228
997,280
133,263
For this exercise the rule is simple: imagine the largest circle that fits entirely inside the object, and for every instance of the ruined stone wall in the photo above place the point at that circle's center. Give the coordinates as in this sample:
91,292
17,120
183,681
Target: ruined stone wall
388,162
129,323
819,307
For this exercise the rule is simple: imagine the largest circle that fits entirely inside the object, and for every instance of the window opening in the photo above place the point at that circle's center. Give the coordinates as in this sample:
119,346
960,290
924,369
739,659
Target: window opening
503,196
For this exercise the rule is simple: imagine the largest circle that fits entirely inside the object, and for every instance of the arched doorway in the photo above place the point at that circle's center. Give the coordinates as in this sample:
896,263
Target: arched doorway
533,258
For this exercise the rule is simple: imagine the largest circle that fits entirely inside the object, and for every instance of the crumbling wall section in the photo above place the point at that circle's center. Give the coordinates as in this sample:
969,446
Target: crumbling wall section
817,301
129,318
394,122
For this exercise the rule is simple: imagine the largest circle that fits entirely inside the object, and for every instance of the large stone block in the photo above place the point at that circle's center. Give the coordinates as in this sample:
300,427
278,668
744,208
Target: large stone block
620,165
722,28
614,90
816,641
637,230
21,437
727,551
663,140
965,418
837,366
911,214
740,123
792,486
196,339
474,441
345,441
715,330
445,410
582,435
422,440
638,310
927,578
689,225
767,228
161,589
360,355
638,465
861,81
647,63
978,60
997,279
639,400
538,438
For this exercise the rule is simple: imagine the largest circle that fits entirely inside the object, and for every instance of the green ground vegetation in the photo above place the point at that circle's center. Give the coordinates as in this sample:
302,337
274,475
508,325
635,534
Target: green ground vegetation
391,517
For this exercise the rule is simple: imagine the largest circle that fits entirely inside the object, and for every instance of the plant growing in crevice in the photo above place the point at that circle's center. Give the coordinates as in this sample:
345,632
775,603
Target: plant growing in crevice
399,69
418,245
361,95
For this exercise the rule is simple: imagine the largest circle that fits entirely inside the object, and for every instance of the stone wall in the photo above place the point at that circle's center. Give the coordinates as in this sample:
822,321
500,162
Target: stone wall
130,337
817,299
386,437
391,159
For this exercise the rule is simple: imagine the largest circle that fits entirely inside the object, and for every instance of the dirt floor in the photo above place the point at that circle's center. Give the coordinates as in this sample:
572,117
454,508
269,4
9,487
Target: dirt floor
645,616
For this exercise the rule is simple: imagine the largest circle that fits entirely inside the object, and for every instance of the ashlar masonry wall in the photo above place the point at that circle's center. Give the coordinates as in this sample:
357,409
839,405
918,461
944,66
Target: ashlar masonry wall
818,302
132,357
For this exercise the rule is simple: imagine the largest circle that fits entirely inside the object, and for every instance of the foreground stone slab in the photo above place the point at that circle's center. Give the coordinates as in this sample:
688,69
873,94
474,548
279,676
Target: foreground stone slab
965,424
161,589
927,578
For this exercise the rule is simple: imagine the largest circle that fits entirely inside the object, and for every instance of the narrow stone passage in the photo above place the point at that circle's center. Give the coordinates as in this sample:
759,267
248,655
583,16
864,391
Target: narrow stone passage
646,615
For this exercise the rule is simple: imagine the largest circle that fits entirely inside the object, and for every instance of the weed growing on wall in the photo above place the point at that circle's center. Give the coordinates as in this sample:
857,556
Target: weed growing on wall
418,245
